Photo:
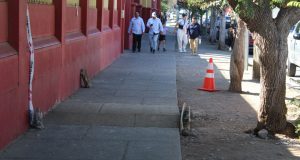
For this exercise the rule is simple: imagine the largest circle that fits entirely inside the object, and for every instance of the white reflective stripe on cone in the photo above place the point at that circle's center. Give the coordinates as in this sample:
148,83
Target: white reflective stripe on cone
210,66
209,75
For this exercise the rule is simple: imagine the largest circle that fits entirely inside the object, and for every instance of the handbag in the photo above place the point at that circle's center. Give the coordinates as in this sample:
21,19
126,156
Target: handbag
180,26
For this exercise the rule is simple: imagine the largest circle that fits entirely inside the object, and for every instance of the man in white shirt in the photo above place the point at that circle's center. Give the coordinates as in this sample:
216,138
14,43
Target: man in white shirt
182,39
137,28
155,28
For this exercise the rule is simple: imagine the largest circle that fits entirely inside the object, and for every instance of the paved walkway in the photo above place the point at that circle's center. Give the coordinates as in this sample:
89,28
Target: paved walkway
129,113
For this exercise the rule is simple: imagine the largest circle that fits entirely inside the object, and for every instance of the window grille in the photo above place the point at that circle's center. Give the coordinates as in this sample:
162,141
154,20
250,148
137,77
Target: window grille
115,5
40,1
105,4
73,2
93,3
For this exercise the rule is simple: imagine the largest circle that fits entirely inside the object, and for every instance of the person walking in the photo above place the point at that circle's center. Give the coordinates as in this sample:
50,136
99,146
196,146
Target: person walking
181,28
162,37
137,28
231,37
194,31
163,18
155,28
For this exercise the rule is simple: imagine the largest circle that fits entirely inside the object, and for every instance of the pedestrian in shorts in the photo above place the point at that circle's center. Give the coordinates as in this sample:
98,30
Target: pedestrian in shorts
193,31
162,37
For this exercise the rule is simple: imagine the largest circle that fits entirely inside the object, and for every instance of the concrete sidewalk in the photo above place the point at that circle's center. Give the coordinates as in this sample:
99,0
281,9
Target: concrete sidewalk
129,113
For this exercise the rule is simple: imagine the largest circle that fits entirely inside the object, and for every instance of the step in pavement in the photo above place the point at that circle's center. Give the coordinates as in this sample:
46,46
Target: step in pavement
129,113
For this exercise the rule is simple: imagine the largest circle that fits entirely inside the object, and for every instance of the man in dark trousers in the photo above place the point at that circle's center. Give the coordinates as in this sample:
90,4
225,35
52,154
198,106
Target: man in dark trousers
155,28
193,31
137,28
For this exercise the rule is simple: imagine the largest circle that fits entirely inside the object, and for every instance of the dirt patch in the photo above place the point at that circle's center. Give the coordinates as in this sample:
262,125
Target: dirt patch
219,119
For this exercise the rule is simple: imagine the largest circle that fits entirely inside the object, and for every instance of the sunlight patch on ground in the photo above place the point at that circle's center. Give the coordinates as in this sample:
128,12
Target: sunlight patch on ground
214,55
294,151
221,62
252,88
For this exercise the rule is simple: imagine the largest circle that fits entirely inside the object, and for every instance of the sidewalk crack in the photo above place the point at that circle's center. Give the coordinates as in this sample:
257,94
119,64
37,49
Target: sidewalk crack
125,151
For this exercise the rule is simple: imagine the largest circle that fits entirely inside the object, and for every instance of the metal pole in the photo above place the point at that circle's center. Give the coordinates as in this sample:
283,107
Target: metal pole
246,49
177,18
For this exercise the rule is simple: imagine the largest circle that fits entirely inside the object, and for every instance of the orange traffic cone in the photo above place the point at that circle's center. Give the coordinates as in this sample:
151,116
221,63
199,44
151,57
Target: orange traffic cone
209,80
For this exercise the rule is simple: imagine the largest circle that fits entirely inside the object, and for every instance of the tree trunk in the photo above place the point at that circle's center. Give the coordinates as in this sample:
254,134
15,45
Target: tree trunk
271,39
256,65
221,44
237,59
272,113
212,34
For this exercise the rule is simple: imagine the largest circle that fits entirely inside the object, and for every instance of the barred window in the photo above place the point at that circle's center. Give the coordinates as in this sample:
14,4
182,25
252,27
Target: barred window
40,1
105,4
93,3
73,2
115,5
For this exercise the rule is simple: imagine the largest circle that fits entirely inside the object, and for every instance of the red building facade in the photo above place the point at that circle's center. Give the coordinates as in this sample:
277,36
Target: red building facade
145,7
66,38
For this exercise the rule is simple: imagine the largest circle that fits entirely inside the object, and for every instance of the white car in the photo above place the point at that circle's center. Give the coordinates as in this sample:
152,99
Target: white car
294,50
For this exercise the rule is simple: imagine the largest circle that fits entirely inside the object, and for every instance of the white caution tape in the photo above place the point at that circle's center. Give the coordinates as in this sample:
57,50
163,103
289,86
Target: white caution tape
31,65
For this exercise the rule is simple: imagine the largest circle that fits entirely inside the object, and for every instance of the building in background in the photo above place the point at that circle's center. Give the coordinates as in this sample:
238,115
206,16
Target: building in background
145,7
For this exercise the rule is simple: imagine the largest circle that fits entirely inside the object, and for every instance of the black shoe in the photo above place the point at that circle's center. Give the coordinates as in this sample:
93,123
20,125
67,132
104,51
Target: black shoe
157,49
164,50
151,50
139,50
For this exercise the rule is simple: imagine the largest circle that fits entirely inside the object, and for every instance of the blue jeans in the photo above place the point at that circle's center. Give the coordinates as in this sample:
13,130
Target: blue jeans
153,40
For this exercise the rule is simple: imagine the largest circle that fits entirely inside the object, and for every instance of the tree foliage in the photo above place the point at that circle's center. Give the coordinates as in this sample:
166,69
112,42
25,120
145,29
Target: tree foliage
247,7
164,6
201,4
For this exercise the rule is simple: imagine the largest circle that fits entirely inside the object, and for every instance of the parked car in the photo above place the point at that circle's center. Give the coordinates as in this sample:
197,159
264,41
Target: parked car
294,50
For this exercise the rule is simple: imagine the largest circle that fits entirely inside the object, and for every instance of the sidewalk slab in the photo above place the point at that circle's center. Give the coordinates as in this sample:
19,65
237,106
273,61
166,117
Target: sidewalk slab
96,142
129,113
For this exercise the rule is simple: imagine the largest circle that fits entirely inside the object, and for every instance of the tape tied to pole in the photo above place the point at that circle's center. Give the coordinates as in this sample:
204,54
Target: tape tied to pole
31,67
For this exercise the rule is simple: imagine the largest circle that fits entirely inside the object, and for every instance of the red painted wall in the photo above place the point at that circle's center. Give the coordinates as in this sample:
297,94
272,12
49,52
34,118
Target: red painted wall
128,16
105,19
92,18
146,14
115,18
63,45
42,26
46,81
73,19
9,74
13,68
3,22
